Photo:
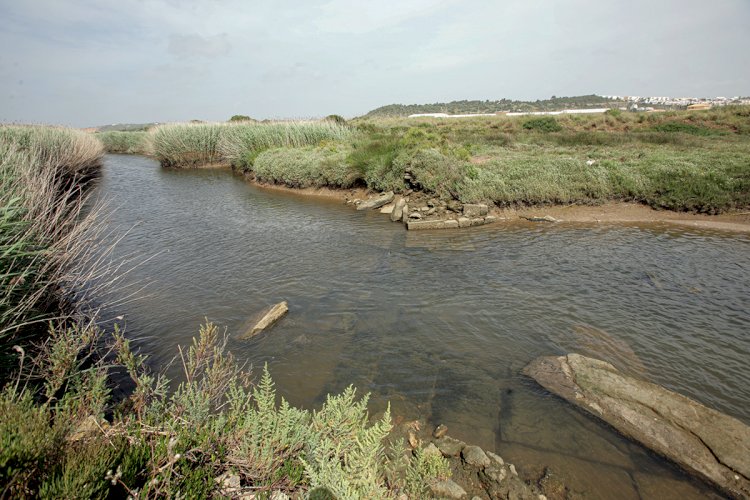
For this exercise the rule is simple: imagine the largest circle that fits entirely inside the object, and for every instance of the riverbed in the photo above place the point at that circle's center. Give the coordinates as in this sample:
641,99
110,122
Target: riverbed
439,324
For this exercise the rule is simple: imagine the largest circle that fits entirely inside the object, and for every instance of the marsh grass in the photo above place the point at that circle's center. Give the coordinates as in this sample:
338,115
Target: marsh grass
187,144
241,144
43,222
124,142
306,167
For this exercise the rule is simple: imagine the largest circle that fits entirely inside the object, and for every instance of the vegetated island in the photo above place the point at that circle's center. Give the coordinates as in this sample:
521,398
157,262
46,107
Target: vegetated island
217,433
687,167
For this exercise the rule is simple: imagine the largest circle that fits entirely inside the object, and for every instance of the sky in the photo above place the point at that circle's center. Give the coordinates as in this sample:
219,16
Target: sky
94,62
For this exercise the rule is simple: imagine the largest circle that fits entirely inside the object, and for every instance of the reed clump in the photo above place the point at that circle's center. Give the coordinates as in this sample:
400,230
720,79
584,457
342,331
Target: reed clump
45,174
236,143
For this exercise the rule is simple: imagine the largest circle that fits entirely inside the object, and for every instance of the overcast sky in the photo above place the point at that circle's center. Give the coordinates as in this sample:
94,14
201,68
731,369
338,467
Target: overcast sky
93,62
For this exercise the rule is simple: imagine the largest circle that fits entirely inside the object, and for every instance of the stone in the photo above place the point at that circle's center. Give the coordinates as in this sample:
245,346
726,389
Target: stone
447,489
268,319
415,215
454,205
229,482
705,442
497,458
376,202
424,209
464,222
425,224
513,469
440,431
431,211
490,219
431,449
474,455
432,202
450,224
479,221
496,474
387,209
449,447
405,213
472,210
413,441
546,218
398,210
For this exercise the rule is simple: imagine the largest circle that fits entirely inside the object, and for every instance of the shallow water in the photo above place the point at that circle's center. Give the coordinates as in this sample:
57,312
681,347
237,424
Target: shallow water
440,323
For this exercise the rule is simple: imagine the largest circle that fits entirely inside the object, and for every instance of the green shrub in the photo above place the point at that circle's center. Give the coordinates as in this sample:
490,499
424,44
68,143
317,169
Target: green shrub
542,124
433,171
306,167
336,119
240,118
685,128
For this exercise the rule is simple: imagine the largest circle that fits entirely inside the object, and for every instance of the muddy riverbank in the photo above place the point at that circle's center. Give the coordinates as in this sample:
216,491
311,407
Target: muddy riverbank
605,213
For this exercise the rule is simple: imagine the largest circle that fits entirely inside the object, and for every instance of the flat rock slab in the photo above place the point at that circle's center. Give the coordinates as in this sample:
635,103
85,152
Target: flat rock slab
714,446
378,202
268,319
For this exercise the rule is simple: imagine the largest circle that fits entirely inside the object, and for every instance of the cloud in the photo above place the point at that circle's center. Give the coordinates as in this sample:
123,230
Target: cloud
359,17
193,45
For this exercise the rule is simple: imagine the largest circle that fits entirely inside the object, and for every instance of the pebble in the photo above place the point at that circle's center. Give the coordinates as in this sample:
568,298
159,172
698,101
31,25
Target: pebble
440,431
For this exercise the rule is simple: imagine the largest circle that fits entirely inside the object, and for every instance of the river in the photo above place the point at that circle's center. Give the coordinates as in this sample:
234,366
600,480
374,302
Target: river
438,323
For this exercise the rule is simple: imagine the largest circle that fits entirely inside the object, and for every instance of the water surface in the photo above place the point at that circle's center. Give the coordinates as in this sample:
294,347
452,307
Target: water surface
441,323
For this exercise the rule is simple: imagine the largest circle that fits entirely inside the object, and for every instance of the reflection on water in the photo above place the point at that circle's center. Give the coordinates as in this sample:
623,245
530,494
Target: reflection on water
440,323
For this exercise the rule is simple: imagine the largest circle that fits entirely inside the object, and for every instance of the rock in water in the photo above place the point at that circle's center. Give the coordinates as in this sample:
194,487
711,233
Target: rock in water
377,202
546,218
398,210
703,441
440,431
268,319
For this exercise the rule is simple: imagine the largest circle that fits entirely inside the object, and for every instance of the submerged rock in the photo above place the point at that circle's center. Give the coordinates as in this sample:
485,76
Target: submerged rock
377,202
714,446
546,218
268,319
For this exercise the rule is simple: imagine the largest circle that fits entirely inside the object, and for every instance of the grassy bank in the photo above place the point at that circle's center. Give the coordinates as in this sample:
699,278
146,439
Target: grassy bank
45,173
216,432
679,160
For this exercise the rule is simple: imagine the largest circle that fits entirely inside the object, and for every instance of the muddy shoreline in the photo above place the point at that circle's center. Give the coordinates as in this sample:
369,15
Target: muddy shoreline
610,212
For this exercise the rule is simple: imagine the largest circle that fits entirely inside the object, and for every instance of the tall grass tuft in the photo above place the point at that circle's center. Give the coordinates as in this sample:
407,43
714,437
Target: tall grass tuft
43,220
241,144
187,144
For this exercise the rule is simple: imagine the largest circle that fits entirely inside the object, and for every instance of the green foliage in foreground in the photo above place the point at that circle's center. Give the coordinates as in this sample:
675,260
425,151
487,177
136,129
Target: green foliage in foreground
54,442
124,142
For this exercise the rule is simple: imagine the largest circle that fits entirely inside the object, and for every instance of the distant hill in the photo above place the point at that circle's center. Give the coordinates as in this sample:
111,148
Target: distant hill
462,107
